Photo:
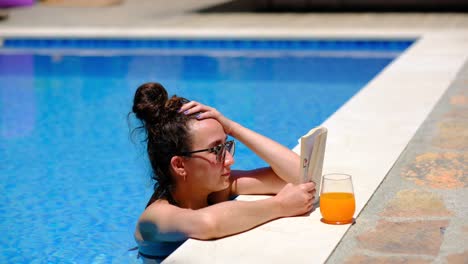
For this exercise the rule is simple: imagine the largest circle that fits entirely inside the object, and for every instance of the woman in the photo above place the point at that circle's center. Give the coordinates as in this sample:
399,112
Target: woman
191,159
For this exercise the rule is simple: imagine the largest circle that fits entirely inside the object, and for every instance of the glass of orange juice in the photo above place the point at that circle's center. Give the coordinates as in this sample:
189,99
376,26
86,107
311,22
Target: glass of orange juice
337,203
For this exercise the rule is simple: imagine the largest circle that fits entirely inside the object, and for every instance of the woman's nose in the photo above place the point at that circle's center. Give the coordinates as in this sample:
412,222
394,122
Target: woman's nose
228,159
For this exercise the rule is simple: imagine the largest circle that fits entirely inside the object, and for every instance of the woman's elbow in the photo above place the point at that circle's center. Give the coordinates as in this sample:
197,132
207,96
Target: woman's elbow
207,228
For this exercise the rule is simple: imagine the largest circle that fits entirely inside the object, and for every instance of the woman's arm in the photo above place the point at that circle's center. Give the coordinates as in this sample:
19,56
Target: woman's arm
283,161
258,181
161,219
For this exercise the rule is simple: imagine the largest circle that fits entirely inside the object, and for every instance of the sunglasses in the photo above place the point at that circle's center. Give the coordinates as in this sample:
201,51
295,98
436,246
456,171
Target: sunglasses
219,150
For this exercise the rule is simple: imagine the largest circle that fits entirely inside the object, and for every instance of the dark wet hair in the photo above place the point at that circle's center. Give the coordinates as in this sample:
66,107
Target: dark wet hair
166,133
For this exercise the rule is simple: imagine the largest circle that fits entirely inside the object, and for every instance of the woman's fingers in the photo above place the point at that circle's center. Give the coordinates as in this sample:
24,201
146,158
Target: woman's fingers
201,110
192,108
187,106
308,186
204,115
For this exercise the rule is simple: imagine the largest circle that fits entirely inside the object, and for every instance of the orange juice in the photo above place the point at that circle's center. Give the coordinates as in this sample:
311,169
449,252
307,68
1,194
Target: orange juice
337,207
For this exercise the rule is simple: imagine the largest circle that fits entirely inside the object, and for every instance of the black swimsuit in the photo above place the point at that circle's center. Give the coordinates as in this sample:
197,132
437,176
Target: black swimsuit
157,258
157,250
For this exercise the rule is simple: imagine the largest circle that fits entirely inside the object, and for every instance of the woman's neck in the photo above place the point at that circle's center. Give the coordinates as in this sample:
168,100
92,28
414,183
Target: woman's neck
187,198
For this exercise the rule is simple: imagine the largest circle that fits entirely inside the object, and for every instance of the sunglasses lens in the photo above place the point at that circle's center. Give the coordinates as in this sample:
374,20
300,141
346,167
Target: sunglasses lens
229,146
221,153
232,147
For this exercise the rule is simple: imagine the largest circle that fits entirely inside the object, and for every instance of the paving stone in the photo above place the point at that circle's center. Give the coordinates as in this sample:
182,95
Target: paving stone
461,258
457,114
452,135
438,170
459,100
419,237
363,259
416,203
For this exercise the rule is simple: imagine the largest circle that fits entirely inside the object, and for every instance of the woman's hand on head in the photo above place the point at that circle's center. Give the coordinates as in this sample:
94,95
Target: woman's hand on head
203,112
296,199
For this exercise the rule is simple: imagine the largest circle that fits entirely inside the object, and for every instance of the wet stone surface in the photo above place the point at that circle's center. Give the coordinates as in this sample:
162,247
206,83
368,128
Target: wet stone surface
418,214
452,135
447,170
459,100
418,238
423,203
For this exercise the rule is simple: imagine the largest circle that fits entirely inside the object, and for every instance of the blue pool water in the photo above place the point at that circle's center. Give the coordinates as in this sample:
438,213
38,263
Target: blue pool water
72,181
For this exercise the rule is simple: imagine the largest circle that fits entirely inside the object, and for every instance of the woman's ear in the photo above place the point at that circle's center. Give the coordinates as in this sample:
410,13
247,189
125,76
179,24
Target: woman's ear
178,166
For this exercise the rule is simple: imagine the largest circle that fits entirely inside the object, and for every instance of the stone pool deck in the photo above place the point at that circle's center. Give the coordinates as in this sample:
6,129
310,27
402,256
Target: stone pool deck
409,165
418,214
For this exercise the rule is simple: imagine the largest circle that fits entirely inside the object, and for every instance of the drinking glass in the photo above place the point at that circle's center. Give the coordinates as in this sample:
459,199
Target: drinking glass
337,203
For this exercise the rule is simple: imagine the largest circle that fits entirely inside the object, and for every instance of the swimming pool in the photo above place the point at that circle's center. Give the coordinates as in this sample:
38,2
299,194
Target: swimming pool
73,181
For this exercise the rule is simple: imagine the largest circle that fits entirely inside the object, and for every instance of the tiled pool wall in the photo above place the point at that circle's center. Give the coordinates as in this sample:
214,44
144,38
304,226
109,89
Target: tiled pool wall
212,44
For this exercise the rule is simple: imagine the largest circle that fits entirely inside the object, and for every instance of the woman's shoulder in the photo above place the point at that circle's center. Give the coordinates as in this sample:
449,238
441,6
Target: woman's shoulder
157,209
152,243
153,219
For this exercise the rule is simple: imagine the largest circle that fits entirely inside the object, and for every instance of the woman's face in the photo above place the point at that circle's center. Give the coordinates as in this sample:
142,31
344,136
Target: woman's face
203,169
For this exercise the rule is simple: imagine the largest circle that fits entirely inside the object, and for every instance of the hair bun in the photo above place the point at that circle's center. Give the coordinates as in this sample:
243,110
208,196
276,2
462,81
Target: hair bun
149,102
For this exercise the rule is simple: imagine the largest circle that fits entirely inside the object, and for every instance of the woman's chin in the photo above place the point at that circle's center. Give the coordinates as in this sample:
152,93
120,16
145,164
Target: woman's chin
224,183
